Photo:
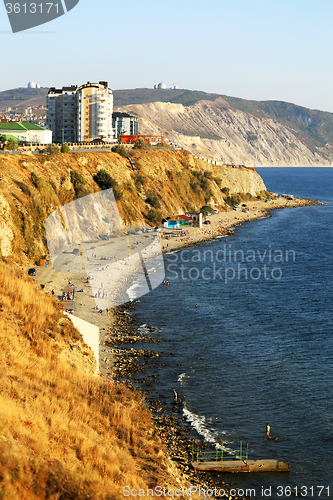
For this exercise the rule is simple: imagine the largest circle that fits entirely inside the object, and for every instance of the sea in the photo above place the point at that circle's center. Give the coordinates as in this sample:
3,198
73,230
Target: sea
246,338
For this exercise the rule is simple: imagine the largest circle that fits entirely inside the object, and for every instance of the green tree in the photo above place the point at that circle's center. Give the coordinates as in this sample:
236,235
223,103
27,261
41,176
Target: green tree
65,148
104,180
140,143
52,149
206,209
11,144
2,139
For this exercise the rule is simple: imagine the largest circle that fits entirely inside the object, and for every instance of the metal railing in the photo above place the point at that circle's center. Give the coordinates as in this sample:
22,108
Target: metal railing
220,453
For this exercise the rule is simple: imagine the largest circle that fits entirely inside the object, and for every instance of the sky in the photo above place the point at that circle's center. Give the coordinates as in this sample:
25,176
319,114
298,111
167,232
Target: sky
253,49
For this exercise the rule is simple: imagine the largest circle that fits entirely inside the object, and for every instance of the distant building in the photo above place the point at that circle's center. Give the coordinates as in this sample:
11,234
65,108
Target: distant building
80,114
160,86
124,124
26,132
151,140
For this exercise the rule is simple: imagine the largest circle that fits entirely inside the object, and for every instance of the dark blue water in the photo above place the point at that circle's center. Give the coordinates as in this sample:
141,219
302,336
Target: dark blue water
247,335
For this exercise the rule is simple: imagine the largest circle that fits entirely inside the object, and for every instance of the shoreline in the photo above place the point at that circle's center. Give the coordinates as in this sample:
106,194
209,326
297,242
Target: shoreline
119,360
223,222
175,430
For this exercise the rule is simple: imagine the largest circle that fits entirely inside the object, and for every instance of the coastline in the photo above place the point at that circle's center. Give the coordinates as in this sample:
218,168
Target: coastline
119,332
177,432
223,222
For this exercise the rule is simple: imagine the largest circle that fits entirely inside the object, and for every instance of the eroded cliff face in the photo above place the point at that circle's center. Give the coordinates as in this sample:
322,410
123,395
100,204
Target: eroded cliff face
161,183
213,130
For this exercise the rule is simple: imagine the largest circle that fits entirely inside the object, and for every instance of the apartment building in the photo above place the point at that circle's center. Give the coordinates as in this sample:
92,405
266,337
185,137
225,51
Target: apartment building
80,114
124,124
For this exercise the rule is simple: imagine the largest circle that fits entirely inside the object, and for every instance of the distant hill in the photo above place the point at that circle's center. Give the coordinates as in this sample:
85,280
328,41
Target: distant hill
272,131
23,97
144,96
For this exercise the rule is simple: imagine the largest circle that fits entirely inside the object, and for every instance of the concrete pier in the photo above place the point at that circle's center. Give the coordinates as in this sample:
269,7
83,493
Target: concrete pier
242,466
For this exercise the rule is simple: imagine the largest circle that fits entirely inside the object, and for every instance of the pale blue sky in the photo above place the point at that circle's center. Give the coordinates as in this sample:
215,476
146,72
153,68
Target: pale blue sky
254,49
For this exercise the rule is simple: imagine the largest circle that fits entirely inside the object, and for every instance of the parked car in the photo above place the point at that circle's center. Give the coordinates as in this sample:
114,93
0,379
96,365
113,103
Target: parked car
149,230
207,222
208,213
216,211
32,271
138,231
76,251
244,205
234,208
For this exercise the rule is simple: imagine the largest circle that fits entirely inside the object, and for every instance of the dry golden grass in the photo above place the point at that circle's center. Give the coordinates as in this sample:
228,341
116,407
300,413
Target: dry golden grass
64,432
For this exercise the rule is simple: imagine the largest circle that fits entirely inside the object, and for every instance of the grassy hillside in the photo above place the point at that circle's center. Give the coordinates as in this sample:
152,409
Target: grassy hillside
65,433
144,96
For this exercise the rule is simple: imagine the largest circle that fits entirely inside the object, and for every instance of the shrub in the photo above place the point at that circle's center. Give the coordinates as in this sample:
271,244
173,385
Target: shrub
139,143
34,180
121,150
233,199
11,144
154,216
208,175
152,199
65,148
79,184
104,180
52,149
225,190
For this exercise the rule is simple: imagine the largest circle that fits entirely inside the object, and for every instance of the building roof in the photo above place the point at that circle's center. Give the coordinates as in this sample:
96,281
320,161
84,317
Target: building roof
118,114
11,126
20,126
185,217
31,126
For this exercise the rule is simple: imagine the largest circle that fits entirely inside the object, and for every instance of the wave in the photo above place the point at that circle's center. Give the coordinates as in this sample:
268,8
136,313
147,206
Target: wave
132,291
201,424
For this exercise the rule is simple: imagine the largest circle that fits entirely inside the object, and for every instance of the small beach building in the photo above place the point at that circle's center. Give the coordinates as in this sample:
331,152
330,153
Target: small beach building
196,217
178,221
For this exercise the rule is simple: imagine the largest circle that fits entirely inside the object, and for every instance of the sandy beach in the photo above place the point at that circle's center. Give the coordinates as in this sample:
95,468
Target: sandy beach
223,222
117,264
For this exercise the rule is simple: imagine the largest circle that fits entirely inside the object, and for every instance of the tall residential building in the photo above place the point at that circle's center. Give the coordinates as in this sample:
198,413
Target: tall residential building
124,124
62,113
80,114
94,117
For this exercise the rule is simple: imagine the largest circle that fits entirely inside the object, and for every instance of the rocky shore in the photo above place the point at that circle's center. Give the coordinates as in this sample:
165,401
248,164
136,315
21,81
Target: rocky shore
125,341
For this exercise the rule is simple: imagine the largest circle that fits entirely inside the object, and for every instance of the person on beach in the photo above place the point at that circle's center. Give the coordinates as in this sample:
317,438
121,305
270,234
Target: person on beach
175,395
268,430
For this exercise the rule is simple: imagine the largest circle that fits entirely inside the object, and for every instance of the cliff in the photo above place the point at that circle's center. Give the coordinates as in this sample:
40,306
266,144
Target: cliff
155,184
220,131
